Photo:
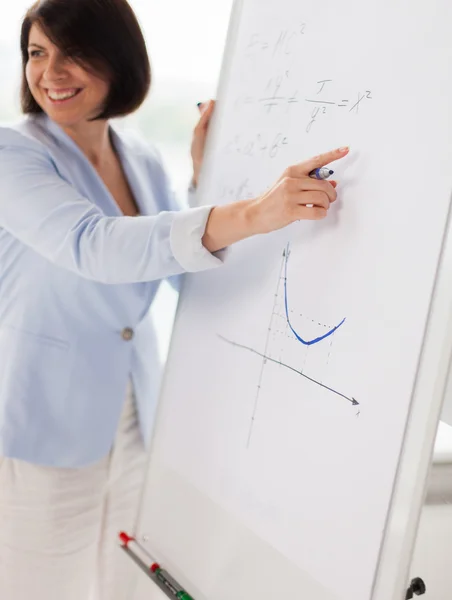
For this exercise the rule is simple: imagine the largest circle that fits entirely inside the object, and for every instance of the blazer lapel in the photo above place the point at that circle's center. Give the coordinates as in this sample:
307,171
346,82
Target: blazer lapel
75,167
136,170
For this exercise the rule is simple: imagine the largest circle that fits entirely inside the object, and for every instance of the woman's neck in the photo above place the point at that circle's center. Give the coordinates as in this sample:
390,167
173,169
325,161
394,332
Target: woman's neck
93,139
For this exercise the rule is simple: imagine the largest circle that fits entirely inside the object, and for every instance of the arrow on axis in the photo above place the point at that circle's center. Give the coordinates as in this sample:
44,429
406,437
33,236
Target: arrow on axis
352,400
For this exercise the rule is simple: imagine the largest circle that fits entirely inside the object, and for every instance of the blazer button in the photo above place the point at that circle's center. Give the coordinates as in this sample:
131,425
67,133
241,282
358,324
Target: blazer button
127,334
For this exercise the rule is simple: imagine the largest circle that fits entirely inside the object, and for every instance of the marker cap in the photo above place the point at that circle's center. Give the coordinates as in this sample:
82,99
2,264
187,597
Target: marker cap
125,539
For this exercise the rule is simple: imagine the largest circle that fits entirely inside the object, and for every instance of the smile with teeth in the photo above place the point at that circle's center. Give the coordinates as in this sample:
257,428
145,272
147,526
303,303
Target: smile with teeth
61,95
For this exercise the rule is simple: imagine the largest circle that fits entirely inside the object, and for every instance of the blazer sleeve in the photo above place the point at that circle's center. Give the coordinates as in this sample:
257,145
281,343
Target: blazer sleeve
42,210
160,177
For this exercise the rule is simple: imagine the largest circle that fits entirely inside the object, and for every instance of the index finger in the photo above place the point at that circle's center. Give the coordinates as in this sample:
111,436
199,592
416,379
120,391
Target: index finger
304,168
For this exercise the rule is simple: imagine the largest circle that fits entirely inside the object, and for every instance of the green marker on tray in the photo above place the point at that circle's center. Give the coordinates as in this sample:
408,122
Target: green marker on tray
136,551
170,583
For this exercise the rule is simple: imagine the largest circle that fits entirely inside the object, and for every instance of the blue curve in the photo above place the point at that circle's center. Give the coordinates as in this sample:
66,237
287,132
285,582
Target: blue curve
300,339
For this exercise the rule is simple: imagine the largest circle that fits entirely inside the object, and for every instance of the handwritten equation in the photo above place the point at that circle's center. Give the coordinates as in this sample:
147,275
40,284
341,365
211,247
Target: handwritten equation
279,98
351,105
276,96
259,144
241,191
283,43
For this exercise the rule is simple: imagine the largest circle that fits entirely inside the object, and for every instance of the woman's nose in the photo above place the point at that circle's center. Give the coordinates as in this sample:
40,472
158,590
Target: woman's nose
55,69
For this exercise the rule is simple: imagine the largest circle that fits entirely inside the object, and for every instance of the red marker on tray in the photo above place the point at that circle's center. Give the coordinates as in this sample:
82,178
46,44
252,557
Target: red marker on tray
162,576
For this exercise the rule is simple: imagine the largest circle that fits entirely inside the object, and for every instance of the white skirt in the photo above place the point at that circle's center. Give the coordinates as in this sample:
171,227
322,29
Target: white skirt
59,527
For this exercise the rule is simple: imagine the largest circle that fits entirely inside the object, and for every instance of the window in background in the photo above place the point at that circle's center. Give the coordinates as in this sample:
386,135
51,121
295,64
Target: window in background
185,42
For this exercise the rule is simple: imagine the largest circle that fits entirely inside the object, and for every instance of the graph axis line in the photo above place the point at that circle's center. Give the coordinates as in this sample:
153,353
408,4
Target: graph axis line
256,400
352,400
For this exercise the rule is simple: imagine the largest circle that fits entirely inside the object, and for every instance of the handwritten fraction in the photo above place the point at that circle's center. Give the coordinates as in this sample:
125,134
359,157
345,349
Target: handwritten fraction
279,94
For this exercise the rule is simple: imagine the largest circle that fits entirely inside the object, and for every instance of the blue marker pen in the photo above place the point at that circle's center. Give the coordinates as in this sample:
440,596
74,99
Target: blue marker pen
322,173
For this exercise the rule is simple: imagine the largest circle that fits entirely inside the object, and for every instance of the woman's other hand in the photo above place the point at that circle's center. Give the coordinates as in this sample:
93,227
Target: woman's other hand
199,138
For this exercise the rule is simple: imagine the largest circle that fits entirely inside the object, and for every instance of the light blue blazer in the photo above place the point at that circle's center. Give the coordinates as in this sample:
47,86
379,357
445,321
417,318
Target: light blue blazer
77,279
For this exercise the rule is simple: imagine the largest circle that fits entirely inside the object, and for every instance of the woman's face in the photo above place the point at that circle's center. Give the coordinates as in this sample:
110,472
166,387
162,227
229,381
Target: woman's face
66,92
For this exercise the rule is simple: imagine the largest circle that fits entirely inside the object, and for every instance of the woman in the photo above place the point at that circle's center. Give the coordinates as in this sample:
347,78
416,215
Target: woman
79,270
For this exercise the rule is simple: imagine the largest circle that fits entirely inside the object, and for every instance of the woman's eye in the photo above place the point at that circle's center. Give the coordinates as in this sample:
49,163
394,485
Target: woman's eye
35,53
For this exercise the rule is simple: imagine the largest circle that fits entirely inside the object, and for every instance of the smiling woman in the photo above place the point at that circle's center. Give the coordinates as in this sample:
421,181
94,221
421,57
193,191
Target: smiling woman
59,85
77,55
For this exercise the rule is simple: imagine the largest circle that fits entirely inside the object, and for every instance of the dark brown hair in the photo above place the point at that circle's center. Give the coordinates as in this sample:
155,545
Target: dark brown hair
101,35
